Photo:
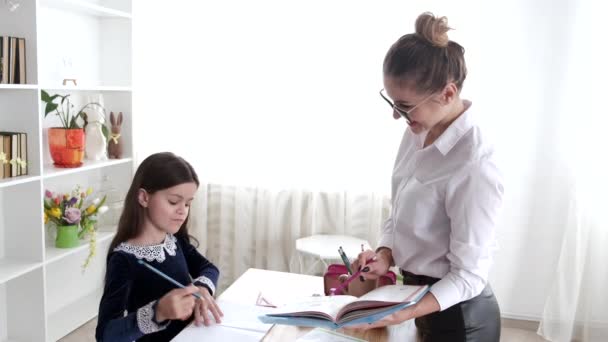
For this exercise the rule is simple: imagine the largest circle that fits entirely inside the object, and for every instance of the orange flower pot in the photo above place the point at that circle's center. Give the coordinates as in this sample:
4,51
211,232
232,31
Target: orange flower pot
66,146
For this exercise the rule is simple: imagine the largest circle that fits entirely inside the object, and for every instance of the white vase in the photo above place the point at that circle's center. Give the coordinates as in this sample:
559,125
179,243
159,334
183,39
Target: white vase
95,144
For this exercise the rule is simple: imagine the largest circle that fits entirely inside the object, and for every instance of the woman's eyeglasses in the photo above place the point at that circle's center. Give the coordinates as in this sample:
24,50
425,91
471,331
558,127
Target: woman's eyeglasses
404,113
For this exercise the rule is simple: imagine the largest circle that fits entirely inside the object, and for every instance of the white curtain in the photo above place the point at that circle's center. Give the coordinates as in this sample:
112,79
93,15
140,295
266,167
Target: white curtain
285,96
241,227
577,303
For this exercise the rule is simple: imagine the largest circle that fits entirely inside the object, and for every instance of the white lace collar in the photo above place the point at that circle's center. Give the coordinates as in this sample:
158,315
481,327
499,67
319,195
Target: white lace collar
150,253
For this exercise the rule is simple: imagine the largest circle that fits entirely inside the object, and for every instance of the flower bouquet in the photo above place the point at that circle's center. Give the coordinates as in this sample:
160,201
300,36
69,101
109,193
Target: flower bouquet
74,215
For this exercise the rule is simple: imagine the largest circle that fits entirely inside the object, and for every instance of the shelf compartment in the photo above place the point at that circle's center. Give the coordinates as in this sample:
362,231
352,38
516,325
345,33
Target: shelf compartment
50,171
72,295
21,234
77,313
22,308
53,254
87,8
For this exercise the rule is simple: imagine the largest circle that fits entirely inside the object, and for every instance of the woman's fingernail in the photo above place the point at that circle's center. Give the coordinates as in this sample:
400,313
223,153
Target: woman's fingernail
366,269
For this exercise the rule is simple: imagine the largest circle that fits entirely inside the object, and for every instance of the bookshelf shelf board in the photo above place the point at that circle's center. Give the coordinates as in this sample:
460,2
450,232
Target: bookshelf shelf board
19,86
86,88
7,182
84,7
53,254
51,171
11,268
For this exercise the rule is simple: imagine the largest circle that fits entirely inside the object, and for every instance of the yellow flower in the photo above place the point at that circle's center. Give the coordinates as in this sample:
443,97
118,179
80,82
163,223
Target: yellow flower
89,191
46,218
55,212
91,209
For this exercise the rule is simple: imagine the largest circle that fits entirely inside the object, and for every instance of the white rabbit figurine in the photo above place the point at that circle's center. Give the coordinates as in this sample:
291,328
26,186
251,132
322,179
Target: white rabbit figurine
95,144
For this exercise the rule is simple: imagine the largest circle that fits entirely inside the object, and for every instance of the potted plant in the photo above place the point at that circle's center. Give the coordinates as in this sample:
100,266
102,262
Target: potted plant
66,143
74,215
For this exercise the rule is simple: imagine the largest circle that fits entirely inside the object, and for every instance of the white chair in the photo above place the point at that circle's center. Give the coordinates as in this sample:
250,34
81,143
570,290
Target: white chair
324,249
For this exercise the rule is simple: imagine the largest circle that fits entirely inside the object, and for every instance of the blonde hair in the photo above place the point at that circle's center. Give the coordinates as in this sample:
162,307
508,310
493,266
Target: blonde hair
434,30
427,57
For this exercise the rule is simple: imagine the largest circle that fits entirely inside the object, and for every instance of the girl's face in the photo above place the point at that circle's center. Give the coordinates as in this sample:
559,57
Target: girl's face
424,110
167,209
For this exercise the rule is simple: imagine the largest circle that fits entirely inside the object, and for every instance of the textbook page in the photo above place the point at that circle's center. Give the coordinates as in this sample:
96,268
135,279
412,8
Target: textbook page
322,307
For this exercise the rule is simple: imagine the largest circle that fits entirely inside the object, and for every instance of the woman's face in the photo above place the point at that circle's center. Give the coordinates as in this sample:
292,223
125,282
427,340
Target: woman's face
424,109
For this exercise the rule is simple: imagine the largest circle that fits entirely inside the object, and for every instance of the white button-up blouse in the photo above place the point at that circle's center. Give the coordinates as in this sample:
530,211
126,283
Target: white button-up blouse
445,202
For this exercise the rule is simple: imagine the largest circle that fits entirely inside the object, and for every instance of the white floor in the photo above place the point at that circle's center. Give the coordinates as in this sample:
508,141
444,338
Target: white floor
86,333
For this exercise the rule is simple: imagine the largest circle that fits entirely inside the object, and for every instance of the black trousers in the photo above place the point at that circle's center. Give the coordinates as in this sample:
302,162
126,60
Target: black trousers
474,320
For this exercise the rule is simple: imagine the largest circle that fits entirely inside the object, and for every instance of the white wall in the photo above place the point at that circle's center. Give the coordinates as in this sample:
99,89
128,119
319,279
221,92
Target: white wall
276,94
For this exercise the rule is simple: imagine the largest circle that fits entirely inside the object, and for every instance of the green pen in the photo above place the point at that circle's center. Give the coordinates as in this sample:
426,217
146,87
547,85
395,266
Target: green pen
345,260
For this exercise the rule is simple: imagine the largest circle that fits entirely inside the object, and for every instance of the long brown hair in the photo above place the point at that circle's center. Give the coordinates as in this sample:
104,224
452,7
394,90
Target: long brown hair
427,57
157,172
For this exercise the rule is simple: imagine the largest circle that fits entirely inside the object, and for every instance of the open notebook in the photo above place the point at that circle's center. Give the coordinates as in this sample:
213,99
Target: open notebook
334,312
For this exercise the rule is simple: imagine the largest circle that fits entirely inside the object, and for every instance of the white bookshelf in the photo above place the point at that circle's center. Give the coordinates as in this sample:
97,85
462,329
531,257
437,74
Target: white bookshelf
44,294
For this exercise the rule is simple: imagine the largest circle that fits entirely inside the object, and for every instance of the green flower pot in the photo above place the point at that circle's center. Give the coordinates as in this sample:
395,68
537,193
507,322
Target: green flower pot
67,237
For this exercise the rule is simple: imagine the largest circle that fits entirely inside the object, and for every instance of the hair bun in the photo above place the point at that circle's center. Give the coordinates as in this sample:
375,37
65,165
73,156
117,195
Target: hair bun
433,29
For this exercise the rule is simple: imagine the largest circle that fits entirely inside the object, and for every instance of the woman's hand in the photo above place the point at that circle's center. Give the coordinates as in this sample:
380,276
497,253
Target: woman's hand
176,304
395,318
377,268
203,306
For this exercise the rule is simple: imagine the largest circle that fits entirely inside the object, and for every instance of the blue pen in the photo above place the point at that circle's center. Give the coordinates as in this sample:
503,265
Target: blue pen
345,260
166,277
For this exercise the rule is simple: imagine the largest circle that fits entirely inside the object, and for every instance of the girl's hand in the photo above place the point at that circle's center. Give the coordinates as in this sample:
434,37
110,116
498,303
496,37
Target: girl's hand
203,306
373,270
176,304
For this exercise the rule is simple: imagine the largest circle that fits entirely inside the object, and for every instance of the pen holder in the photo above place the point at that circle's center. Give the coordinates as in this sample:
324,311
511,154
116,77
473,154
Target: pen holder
336,274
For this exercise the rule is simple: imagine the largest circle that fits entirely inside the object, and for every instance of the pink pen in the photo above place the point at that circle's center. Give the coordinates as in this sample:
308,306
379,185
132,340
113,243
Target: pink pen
339,290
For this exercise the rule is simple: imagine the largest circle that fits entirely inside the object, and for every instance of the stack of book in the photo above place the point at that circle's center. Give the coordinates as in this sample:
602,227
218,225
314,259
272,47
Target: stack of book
12,60
13,154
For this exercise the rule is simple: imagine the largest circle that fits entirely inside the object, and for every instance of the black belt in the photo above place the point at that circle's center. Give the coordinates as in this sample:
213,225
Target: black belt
415,279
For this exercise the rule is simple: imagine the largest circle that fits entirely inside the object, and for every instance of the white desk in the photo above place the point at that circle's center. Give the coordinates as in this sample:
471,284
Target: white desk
279,286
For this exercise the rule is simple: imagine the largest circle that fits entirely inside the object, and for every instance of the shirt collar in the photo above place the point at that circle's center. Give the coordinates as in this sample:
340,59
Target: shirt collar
456,130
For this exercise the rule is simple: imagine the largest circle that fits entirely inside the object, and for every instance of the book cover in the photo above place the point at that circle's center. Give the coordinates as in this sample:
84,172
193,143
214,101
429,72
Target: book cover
2,161
8,151
21,61
4,61
14,154
334,312
23,154
12,60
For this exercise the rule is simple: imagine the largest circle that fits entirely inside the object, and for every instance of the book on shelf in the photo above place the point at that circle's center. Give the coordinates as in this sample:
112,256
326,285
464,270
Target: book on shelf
21,60
14,149
3,59
334,312
12,60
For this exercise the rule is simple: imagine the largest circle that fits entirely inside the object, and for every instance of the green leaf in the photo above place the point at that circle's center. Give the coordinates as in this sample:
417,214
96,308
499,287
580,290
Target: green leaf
49,108
45,96
105,131
73,123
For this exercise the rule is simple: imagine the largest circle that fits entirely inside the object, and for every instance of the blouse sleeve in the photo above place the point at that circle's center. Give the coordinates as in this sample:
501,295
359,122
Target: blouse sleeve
113,324
202,270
